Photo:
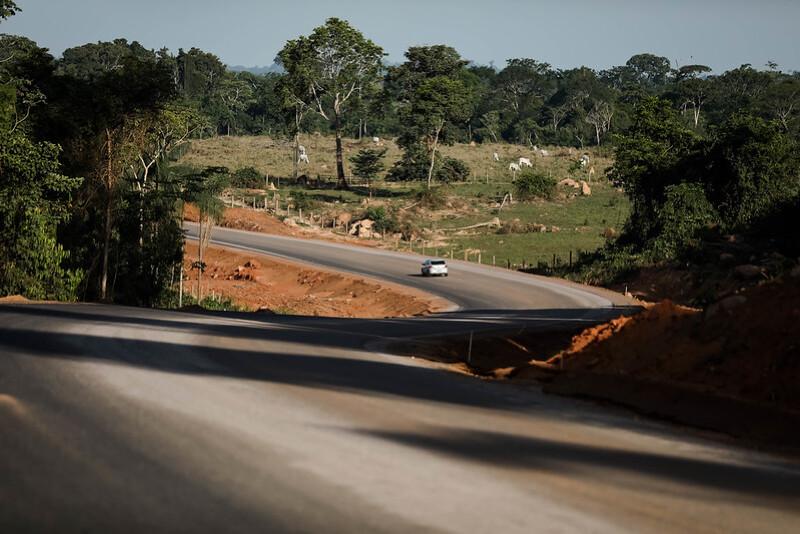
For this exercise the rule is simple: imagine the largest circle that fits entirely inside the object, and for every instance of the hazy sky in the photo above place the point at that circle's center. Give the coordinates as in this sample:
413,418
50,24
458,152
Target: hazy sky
565,33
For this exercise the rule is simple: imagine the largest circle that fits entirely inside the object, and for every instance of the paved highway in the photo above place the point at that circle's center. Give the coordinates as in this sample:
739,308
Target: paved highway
123,419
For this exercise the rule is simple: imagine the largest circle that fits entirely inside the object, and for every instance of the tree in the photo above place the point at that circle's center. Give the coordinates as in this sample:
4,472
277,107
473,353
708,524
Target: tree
646,162
367,164
600,117
750,167
34,198
327,69
235,94
204,190
523,80
436,103
8,8
434,99
99,117
782,101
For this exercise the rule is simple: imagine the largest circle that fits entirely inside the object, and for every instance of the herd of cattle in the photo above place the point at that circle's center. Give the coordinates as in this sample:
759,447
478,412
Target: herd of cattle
521,163
514,166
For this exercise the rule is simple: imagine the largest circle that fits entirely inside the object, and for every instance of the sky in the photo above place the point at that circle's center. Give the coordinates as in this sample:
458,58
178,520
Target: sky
722,34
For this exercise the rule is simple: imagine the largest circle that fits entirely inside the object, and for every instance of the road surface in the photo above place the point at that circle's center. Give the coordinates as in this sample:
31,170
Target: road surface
116,419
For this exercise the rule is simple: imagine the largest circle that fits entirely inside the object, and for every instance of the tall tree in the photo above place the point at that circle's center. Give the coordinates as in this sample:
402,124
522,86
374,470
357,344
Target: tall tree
434,100
693,90
328,69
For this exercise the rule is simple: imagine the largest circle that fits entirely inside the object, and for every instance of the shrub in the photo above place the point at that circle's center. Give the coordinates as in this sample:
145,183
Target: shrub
302,201
452,170
531,184
412,166
433,198
684,212
247,178
383,220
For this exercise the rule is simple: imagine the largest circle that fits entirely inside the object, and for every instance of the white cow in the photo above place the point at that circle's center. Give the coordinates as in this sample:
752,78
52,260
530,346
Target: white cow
584,160
301,149
525,162
513,167
303,158
496,156
544,153
376,140
535,148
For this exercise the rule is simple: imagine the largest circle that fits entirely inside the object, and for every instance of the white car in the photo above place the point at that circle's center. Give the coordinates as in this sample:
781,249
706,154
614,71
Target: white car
434,268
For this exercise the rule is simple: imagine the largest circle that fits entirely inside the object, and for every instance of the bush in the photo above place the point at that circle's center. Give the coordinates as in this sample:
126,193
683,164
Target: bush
433,198
415,164
302,201
531,184
247,178
383,220
412,166
751,170
452,170
685,211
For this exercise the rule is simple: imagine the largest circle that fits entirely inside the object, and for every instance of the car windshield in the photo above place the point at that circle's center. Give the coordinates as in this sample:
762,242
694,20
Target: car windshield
437,262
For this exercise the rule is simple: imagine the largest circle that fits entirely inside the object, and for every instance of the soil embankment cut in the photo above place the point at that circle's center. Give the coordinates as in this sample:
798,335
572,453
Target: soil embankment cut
261,283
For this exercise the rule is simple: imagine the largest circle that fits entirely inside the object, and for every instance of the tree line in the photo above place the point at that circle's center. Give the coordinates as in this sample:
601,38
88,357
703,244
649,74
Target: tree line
91,196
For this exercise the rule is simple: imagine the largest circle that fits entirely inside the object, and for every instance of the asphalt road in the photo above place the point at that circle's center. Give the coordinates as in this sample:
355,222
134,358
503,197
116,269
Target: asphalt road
117,419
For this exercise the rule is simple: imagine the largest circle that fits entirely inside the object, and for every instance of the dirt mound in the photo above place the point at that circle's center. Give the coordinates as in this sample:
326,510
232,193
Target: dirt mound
745,346
245,219
14,299
268,284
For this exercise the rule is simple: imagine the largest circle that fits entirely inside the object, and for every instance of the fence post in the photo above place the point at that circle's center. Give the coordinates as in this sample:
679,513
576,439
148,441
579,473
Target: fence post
494,260
570,259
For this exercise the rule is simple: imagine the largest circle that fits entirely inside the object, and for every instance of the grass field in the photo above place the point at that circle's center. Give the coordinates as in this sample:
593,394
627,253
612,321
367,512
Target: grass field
579,221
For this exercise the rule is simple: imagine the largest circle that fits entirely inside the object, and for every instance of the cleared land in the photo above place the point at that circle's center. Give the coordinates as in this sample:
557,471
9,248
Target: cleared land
255,282
524,232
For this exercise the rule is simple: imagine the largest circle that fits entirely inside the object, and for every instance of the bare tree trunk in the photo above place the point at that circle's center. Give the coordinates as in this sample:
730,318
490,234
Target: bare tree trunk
339,155
107,231
296,154
433,155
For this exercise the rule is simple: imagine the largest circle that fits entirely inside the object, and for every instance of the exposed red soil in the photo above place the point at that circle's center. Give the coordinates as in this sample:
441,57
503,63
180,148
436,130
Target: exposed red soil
259,282
14,299
246,219
746,347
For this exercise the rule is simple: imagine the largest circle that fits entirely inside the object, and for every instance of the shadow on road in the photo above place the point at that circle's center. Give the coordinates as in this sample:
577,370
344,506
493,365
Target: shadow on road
338,332
779,489
340,366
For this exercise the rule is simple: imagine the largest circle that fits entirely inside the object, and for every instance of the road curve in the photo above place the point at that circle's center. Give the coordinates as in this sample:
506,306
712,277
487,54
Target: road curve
123,419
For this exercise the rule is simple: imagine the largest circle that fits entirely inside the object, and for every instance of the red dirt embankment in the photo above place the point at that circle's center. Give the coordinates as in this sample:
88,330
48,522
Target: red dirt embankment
246,219
745,347
259,282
